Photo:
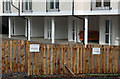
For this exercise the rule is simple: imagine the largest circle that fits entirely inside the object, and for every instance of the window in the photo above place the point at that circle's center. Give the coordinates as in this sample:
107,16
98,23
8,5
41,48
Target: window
7,6
27,5
53,5
101,5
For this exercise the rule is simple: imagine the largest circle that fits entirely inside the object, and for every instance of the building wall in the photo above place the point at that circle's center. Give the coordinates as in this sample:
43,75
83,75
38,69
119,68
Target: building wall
119,28
1,7
19,26
83,7
114,24
61,28
37,28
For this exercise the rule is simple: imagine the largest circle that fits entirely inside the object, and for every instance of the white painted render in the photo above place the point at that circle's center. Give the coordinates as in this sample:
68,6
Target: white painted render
81,7
37,28
86,31
19,26
1,10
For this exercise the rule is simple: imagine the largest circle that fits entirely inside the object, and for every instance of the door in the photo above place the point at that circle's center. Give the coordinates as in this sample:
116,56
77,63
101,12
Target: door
108,32
75,31
49,30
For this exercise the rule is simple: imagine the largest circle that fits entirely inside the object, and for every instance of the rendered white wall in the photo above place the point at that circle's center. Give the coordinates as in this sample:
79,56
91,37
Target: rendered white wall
19,26
37,29
61,28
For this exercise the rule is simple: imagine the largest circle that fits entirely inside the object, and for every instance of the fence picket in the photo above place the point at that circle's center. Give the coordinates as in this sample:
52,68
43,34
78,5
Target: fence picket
37,69
58,60
44,59
3,56
41,59
48,59
14,56
84,58
52,59
26,55
68,58
102,53
61,59
72,57
86,52
81,59
78,59
55,60
22,55
11,57
65,53
33,63
18,56
6,57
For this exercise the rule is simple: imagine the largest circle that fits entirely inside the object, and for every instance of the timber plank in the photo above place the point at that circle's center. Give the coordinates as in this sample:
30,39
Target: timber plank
11,57
78,59
52,59
81,59
45,59
61,59
22,56
48,59
18,56
3,57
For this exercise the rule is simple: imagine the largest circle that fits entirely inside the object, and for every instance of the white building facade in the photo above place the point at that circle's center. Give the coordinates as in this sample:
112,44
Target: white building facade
64,19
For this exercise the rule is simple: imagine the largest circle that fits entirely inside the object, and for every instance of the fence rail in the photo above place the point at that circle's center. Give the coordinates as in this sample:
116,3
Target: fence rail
52,59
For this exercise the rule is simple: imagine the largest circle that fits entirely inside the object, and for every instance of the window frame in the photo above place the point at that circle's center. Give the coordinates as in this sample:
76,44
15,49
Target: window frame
102,7
6,9
54,5
28,5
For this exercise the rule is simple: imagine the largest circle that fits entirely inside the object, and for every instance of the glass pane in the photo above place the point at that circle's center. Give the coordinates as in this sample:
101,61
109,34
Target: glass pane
106,3
98,3
30,5
73,25
26,5
51,4
107,26
73,36
57,4
107,39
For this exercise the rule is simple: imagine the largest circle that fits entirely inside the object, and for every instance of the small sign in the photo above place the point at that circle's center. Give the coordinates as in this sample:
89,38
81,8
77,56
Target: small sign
34,47
96,51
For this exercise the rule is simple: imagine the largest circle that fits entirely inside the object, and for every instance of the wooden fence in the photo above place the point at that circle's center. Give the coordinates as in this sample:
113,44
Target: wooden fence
52,59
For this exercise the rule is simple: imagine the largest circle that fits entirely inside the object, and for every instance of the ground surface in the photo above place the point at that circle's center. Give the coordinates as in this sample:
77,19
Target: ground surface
98,77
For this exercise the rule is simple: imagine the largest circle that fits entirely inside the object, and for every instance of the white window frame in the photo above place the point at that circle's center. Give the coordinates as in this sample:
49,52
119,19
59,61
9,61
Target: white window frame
110,32
7,6
28,5
100,8
54,7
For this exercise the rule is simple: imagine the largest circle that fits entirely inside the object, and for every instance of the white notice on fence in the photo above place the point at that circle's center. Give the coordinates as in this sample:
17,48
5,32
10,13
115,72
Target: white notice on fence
34,47
96,51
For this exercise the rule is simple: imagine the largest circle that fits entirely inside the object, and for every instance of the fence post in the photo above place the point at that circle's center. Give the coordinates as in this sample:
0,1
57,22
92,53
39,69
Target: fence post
29,63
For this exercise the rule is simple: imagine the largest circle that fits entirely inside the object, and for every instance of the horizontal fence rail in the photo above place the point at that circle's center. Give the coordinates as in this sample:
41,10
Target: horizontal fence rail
53,59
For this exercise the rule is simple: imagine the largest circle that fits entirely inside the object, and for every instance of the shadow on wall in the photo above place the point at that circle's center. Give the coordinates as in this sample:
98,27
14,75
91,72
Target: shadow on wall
4,25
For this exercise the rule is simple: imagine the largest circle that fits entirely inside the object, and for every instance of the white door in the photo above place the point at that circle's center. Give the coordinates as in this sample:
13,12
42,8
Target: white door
49,30
75,31
108,32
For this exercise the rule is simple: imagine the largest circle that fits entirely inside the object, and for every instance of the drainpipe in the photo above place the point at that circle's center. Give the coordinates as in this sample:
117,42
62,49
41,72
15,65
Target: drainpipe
18,8
79,18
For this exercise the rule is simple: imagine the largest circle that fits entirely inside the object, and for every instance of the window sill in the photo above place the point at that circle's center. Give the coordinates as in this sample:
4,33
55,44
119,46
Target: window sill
27,11
53,10
101,8
7,12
